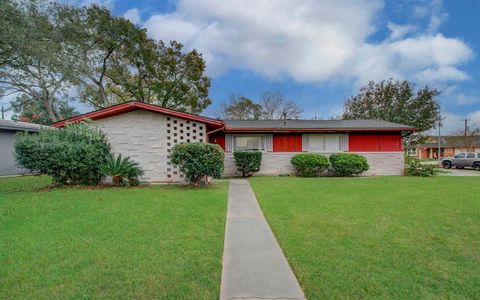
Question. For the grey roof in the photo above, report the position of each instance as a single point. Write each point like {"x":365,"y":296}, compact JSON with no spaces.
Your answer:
{"x":19,"y":126}
{"x":314,"y":125}
{"x":452,"y":141}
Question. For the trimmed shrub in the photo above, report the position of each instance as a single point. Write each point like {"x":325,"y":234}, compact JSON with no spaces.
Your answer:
{"x":348,"y":164}
{"x":198,"y":160}
{"x":309,"y":164}
{"x":248,"y":162}
{"x":121,"y":169}
{"x":71,"y":155}
{"x":414,"y":167}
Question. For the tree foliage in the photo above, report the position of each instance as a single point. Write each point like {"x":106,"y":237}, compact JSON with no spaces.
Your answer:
{"x":395,"y":101}
{"x":33,"y":61}
{"x":51,"y":51}
{"x":241,"y":108}
{"x":26,"y":110}
{"x":272,"y":106}
{"x":275,"y":106}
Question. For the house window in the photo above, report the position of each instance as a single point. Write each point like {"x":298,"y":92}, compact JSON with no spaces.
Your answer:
{"x":249,"y":143}
{"x":324,"y":143}
{"x":412,"y":151}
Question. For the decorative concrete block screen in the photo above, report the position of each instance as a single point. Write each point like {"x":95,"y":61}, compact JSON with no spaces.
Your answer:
{"x":181,"y":131}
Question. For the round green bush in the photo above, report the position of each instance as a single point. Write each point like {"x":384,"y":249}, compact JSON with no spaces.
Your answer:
{"x":309,"y":164}
{"x":248,"y":162}
{"x":71,"y":155}
{"x":198,"y":160}
{"x":348,"y":164}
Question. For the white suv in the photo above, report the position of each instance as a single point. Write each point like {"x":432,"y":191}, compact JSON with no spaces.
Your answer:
{"x":462,"y":160}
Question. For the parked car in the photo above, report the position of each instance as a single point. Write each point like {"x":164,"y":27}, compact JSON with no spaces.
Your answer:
{"x":462,"y":160}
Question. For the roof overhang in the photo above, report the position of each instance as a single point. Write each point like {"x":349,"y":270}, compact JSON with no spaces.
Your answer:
{"x":314,"y":130}
{"x":132,"y":106}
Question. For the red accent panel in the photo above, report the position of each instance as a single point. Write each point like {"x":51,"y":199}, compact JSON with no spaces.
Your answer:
{"x":391,"y":142}
{"x":218,"y":139}
{"x":370,"y":142}
{"x":287,"y":143}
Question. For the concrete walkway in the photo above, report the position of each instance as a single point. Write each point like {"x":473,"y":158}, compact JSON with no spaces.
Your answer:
{"x":254,"y":266}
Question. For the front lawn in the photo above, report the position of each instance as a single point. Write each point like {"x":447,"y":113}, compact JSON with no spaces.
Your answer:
{"x":155,"y":242}
{"x":386,"y":237}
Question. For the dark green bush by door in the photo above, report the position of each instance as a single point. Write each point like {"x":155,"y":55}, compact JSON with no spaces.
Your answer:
{"x":248,"y":162}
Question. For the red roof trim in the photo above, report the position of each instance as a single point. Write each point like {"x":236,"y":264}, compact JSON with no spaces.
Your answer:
{"x":134,"y":105}
{"x":296,"y":130}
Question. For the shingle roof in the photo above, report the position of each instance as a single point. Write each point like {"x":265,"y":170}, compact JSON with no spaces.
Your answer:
{"x":19,"y":126}
{"x":344,"y":125}
{"x":452,"y":141}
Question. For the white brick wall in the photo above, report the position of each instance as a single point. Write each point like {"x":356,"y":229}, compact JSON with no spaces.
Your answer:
{"x":381,"y":163}
{"x":147,"y":138}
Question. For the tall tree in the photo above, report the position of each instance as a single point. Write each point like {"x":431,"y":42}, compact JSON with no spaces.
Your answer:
{"x":37,"y":71}
{"x":49,"y":49}
{"x":163,"y":75}
{"x":241,"y":108}
{"x":98,"y":41}
{"x":395,"y":101}
{"x":26,"y":110}
{"x":275,"y":106}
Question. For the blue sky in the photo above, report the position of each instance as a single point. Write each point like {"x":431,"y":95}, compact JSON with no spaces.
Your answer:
{"x":319,"y":52}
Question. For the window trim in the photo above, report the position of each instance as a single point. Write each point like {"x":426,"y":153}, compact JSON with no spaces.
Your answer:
{"x":261,"y":136}
{"x":325,"y":150}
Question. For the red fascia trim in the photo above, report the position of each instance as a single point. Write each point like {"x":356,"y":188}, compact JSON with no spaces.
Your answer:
{"x":216,"y":130}
{"x":131,"y":106}
{"x":299,"y":130}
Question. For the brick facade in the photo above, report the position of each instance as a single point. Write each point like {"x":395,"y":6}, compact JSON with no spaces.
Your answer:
{"x":148,"y":137}
{"x":381,"y":163}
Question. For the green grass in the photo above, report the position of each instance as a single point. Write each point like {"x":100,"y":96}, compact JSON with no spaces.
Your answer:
{"x":384,"y":238}
{"x":155,"y":242}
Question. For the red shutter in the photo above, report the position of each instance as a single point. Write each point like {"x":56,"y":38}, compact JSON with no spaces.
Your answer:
{"x":375,"y":142}
{"x":390,"y":142}
{"x":287,"y":142}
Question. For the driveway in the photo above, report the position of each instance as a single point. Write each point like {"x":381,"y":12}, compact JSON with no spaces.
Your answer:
{"x":459,"y":172}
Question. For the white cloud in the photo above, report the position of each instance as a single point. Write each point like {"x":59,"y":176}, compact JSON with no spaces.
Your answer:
{"x":463,"y":99}
{"x":399,"y":31}
{"x":434,"y":10}
{"x":308,"y":40}
{"x":133,"y":15}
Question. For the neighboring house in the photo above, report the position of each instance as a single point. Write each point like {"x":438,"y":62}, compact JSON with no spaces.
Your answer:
{"x":449,"y":146}
{"x":147,"y":134}
{"x":8,"y":130}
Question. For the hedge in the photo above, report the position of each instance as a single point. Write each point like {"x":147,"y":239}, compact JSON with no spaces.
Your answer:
{"x":71,"y":155}
{"x":348,"y":164}
{"x":198,"y":160}
{"x":309,"y":164}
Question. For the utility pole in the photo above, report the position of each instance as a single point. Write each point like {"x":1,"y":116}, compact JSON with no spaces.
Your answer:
{"x":439,"y":138}
{"x":465,"y":131}
{"x":3,"y":113}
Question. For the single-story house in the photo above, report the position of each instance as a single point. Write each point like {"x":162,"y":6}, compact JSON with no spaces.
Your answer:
{"x":449,"y":146}
{"x":8,"y":130}
{"x":147,"y":134}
